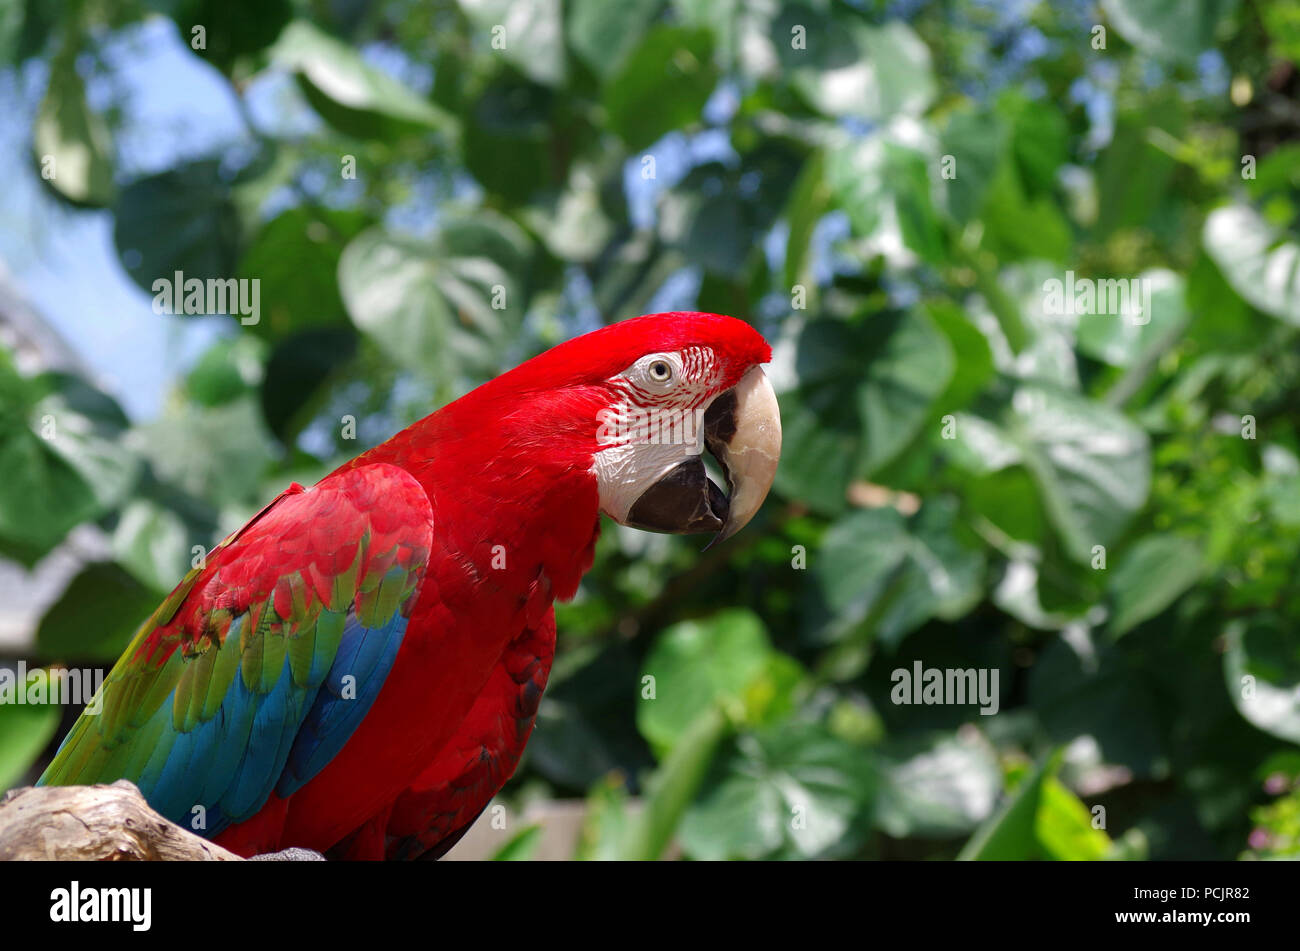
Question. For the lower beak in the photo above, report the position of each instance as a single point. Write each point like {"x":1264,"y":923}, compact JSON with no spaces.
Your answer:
{"x":742,"y":429}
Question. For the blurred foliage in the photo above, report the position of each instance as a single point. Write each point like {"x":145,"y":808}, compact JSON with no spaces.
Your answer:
{"x":1105,"y":512}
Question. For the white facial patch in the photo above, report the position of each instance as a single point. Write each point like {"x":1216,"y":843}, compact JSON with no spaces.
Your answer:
{"x":624,"y":470}
{"x":656,"y":426}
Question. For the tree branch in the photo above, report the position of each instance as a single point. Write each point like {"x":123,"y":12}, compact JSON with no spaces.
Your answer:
{"x":95,"y":823}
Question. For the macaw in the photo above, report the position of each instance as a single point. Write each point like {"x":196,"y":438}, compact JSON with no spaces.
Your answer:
{"x":357,"y":669}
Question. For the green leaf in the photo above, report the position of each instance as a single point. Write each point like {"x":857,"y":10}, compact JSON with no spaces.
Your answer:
{"x":697,"y":665}
{"x":1221,"y":321}
{"x":572,"y":224}
{"x":662,"y":87}
{"x":1039,"y":140}
{"x":809,"y":200}
{"x":228,"y":369}
{"x":850,"y":68}
{"x":1011,"y":832}
{"x":1090,"y":463}
{"x":1105,"y":697}
{"x":153,"y":544}
{"x":183,"y":220}
{"x":884,"y":187}
{"x":883,"y":576}
{"x":972,"y":357}
{"x":742,"y":31}
{"x":12,"y":17}
{"x":1260,"y":264}
{"x":85,"y":430}
{"x":1123,"y":341}
{"x":863,"y":393}
{"x":793,"y":790}
{"x":484,"y":233}
{"x":606,"y":822}
{"x":232,"y":28}
{"x":604,"y":33}
{"x":25,"y":731}
{"x":1150,"y":577}
{"x":1043,"y":820}
{"x":521,"y":846}
{"x":1168,"y":29}
{"x":427,"y":309}
{"x":1064,"y":827}
{"x":674,"y":784}
{"x":348,"y":93}
{"x":72,"y":144}
{"x":977,"y":142}
{"x":1133,"y":175}
{"x":509,"y":145}
{"x":96,"y":616}
{"x":1018,"y":225}
{"x":41,"y":21}
{"x":718,"y":239}
{"x":1262,"y":669}
{"x":62,"y":455}
{"x":295,"y":256}
{"x":531,"y":31}
{"x":219,"y":454}
{"x":936,"y":786}
{"x":1282,"y":23}
{"x":1009,"y":499}
{"x":298,"y":374}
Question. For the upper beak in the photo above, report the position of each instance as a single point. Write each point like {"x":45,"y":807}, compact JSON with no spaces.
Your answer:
{"x":742,"y":429}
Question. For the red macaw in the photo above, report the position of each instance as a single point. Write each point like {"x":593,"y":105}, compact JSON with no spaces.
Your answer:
{"x":358,"y":668}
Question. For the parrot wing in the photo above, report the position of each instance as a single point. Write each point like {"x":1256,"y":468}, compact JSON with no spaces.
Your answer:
{"x":256,"y":669}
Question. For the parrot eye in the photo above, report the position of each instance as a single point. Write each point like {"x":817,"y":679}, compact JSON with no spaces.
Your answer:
{"x":660,"y":371}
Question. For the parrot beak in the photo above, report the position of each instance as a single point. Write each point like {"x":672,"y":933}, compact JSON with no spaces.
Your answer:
{"x":742,"y":429}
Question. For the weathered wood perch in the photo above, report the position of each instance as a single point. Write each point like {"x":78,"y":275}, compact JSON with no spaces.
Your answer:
{"x":95,"y":824}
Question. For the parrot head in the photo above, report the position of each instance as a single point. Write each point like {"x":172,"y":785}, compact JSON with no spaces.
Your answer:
{"x":646,"y":398}
{"x":702,"y":389}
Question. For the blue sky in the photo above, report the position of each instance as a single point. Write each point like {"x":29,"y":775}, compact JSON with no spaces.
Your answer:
{"x":64,"y":261}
